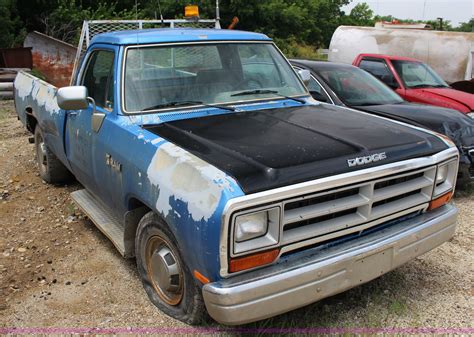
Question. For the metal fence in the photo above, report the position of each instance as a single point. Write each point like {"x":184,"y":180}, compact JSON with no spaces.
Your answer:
{"x":93,"y":28}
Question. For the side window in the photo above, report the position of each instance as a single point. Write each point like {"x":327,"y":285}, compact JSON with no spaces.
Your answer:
{"x":379,"y":69}
{"x":317,"y":91}
{"x":98,"y":78}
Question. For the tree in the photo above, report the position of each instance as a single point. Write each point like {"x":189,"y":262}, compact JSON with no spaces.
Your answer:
{"x":65,"y":21}
{"x":305,"y":22}
{"x":11,"y":32}
{"x":466,"y":26}
{"x":362,"y":15}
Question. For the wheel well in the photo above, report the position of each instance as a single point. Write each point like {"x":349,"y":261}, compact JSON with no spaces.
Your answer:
{"x":136,"y":210}
{"x":31,"y":121}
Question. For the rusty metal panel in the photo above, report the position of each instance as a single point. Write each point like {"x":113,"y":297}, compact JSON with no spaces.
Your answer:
{"x":15,"y":58}
{"x":52,"y":57}
{"x":448,"y":53}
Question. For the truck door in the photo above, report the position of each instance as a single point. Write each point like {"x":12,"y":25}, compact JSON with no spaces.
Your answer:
{"x":81,"y":140}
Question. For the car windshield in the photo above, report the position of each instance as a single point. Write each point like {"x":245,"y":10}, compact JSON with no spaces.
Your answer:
{"x":170,"y":77}
{"x":418,"y":75}
{"x":356,"y":87}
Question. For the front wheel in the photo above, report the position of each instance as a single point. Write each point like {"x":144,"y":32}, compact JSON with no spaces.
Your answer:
{"x":165,"y":277}
{"x":50,"y":167}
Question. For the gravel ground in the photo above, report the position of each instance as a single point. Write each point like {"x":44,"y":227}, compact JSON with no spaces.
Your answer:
{"x":58,"y":270}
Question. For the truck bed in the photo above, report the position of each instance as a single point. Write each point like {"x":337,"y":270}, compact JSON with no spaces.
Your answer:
{"x":35,"y":102}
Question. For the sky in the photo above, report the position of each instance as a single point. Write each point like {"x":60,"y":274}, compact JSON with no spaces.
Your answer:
{"x":456,"y":11}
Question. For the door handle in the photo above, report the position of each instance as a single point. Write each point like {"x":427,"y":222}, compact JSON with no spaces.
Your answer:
{"x":72,"y":114}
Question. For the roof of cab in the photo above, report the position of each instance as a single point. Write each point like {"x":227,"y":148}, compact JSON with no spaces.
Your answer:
{"x":167,"y":35}
{"x":390,"y":57}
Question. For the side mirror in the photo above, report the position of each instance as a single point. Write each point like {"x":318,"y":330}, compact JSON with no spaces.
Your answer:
{"x":393,"y":84}
{"x":305,"y":76}
{"x":72,"y":98}
{"x":317,"y":96}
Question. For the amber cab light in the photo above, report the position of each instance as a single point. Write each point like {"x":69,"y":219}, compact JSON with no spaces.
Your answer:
{"x":440,"y":201}
{"x":191,"y":11}
{"x":252,"y":261}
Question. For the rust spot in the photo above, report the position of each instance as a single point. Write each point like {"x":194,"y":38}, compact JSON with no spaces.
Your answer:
{"x":53,"y":68}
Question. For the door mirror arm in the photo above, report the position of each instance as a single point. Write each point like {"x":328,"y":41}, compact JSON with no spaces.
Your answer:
{"x":97,"y":117}
{"x":92,"y":101}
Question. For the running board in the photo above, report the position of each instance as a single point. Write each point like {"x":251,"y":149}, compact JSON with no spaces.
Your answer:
{"x":101,"y":217}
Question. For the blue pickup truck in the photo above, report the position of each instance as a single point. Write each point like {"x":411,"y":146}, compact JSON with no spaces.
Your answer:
{"x":203,"y":155}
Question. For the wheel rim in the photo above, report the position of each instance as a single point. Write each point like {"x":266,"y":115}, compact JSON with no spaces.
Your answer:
{"x":41,"y":153}
{"x":164,"y":270}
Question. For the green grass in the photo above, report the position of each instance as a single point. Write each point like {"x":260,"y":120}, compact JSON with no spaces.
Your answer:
{"x":70,"y":209}
{"x":397,"y":307}
{"x":293,"y":49}
{"x":35,"y":72}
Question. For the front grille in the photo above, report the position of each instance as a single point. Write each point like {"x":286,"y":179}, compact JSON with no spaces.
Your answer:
{"x":353,"y":208}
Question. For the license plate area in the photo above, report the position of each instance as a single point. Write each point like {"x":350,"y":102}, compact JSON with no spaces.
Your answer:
{"x":372,"y":266}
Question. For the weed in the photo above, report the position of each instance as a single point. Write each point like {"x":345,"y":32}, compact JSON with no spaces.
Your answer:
{"x":70,"y":209}
{"x":397,"y":307}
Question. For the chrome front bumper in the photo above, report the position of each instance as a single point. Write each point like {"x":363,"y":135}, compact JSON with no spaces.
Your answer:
{"x":295,"y":283}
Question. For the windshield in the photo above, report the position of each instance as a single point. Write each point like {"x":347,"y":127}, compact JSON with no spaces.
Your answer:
{"x":356,"y":87}
{"x":418,"y":75}
{"x":161,"y":77}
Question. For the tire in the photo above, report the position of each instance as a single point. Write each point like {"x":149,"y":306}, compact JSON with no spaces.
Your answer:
{"x":165,"y":277}
{"x":50,"y":168}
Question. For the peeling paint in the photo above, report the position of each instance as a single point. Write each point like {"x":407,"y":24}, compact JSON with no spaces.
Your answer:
{"x":44,"y":94}
{"x":180,"y":175}
{"x":157,"y":140}
{"x":23,"y":85}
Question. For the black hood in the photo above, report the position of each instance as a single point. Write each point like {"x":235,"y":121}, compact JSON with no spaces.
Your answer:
{"x":452,"y":123}
{"x":266,"y":149}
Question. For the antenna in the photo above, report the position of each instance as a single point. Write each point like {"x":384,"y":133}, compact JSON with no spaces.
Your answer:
{"x":424,"y":8}
{"x":159,"y":9}
{"x":218,"y":16}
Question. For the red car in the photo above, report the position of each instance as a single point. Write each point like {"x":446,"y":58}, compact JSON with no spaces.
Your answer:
{"x":415,"y":81}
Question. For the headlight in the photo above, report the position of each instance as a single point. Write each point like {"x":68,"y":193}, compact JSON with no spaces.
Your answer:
{"x":256,"y":230}
{"x":471,"y":114}
{"x":446,"y":177}
{"x":251,"y":226}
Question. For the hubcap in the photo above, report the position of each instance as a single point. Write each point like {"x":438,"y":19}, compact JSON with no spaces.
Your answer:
{"x":164,"y":270}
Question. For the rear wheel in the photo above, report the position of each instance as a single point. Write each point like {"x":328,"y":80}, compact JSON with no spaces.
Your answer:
{"x":165,"y":276}
{"x":50,"y":168}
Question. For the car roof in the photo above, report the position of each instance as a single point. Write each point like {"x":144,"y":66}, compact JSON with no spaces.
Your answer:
{"x":164,"y":35}
{"x":391,"y":57}
{"x":321,"y":65}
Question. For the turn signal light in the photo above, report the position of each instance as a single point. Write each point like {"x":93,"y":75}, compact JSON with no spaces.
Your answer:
{"x":254,"y":260}
{"x":442,"y":200}
{"x":201,"y":277}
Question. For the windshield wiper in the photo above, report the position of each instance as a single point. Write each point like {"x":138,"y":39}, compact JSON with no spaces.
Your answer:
{"x":266,"y":91}
{"x":418,"y":86}
{"x":376,"y":103}
{"x":184,"y":103}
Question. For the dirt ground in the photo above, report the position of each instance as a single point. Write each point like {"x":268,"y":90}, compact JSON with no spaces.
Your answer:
{"x":58,"y":270}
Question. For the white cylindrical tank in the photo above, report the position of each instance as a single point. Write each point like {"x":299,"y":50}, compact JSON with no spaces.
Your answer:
{"x":450,"y":54}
